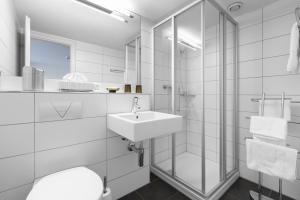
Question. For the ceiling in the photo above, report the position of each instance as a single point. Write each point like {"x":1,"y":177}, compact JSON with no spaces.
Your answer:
{"x":248,"y":5}
{"x":156,"y":10}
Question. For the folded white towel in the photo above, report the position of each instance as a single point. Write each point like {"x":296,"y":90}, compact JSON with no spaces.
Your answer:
{"x":271,"y":159}
{"x":272,"y":108}
{"x":293,"y":61}
{"x":268,"y":127}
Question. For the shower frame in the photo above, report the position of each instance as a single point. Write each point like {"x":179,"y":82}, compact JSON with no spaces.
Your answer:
{"x":226,"y":179}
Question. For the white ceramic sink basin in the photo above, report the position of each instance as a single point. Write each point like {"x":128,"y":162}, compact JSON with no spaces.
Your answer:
{"x":144,"y":125}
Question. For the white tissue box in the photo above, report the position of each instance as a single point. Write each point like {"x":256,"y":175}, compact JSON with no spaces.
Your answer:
{"x":76,"y":86}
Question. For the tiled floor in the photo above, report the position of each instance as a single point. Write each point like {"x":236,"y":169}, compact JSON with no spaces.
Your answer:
{"x":157,"y":189}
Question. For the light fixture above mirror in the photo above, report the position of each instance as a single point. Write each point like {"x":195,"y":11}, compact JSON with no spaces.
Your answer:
{"x":107,"y":8}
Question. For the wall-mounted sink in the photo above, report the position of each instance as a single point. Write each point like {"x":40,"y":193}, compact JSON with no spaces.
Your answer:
{"x":144,"y":125}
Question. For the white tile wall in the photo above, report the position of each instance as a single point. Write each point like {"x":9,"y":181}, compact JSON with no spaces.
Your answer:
{"x":264,"y":48}
{"x":8,"y":38}
{"x":95,"y":62}
{"x":20,"y":136}
{"x":146,"y":58}
{"x":32,"y":145}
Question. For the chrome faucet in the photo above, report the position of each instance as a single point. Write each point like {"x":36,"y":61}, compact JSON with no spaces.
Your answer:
{"x":135,"y":105}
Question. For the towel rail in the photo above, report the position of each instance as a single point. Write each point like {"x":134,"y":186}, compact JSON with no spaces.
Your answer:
{"x":273,"y":98}
{"x":253,"y":194}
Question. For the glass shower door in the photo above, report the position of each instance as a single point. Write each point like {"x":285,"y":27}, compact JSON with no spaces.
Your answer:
{"x":194,"y":76}
{"x":189,"y":165}
{"x":229,"y":96}
{"x":162,"y":146}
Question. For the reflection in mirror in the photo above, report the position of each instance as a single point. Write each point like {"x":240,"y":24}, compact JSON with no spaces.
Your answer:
{"x":133,"y":62}
{"x":83,"y":36}
{"x":53,"y":58}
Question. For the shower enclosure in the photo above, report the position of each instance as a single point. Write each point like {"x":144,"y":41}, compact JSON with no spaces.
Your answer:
{"x":195,"y":70}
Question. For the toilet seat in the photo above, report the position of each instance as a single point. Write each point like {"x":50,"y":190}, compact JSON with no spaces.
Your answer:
{"x":73,"y":184}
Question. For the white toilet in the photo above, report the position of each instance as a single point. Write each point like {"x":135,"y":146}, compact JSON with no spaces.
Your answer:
{"x":73,"y":184}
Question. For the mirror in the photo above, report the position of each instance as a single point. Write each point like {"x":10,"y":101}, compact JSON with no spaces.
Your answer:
{"x":92,"y":37}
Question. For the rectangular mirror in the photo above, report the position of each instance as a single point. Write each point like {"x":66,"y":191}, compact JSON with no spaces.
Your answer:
{"x":84,"y":36}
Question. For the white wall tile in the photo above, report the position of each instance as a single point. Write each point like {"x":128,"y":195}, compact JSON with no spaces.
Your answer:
{"x":51,"y":161}
{"x":250,"y":86}
{"x":88,"y":67}
{"x":276,"y":46}
{"x":250,"y":69}
{"x":16,"y":139}
{"x":245,"y":103}
{"x":277,"y":84}
{"x":275,"y":66}
{"x":251,"y":51}
{"x":137,"y":179}
{"x":250,"y":34}
{"x":251,"y":18}
{"x":279,"y":8}
{"x":8,"y":37}
{"x":100,"y":169}
{"x":278,"y":26}
{"x":125,"y":164}
{"x":16,"y":171}
{"x":55,"y":134}
{"x":19,"y":193}
{"x":16,"y":108}
{"x":85,"y":56}
{"x":116,"y":147}
{"x":83,"y":46}
{"x":117,"y":103}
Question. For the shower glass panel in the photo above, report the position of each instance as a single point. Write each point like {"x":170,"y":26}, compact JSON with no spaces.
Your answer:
{"x":189,"y":95}
{"x":194,"y":54}
{"x":229,"y":97}
{"x":212,"y":97}
{"x":162,"y":146}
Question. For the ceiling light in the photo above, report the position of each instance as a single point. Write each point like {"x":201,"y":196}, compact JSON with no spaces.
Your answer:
{"x":93,"y":5}
{"x":113,"y":5}
{"x":235,"y":6}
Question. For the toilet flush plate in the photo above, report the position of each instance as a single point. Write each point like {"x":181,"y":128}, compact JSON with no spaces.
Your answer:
{"x":144,"y":125}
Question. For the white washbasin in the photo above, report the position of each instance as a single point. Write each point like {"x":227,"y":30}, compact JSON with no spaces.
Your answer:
{"x":144,"y":125}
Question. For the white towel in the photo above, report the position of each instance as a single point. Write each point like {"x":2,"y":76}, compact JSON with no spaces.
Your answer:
{"x":272,"y":108}
{"x":293,"y":61}
{"x":268,"y":127}
{"x":271,"y":159}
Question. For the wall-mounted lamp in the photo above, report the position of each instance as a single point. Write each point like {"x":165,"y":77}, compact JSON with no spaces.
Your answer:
{"x":117,"y":14}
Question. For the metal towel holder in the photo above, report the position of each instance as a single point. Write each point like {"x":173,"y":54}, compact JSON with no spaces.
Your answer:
{"x":258,"y":195}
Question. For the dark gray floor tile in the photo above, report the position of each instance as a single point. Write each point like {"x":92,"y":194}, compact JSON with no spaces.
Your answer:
{"x":178,"y":196}
{"x":275,"y":195}
{"x":131,"y":196}
{"x":228,"y":196}
{"x":240,"y":189}
{"x":157,"y":190}
{"x":153,"y":177}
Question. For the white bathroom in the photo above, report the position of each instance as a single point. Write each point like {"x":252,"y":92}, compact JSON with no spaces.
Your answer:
{"x":149,"y":100}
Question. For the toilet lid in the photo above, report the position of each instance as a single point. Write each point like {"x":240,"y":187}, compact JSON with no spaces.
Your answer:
{"x":73,"y":184}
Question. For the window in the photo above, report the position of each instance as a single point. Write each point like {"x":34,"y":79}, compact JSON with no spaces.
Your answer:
{"x":53,"y":58}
